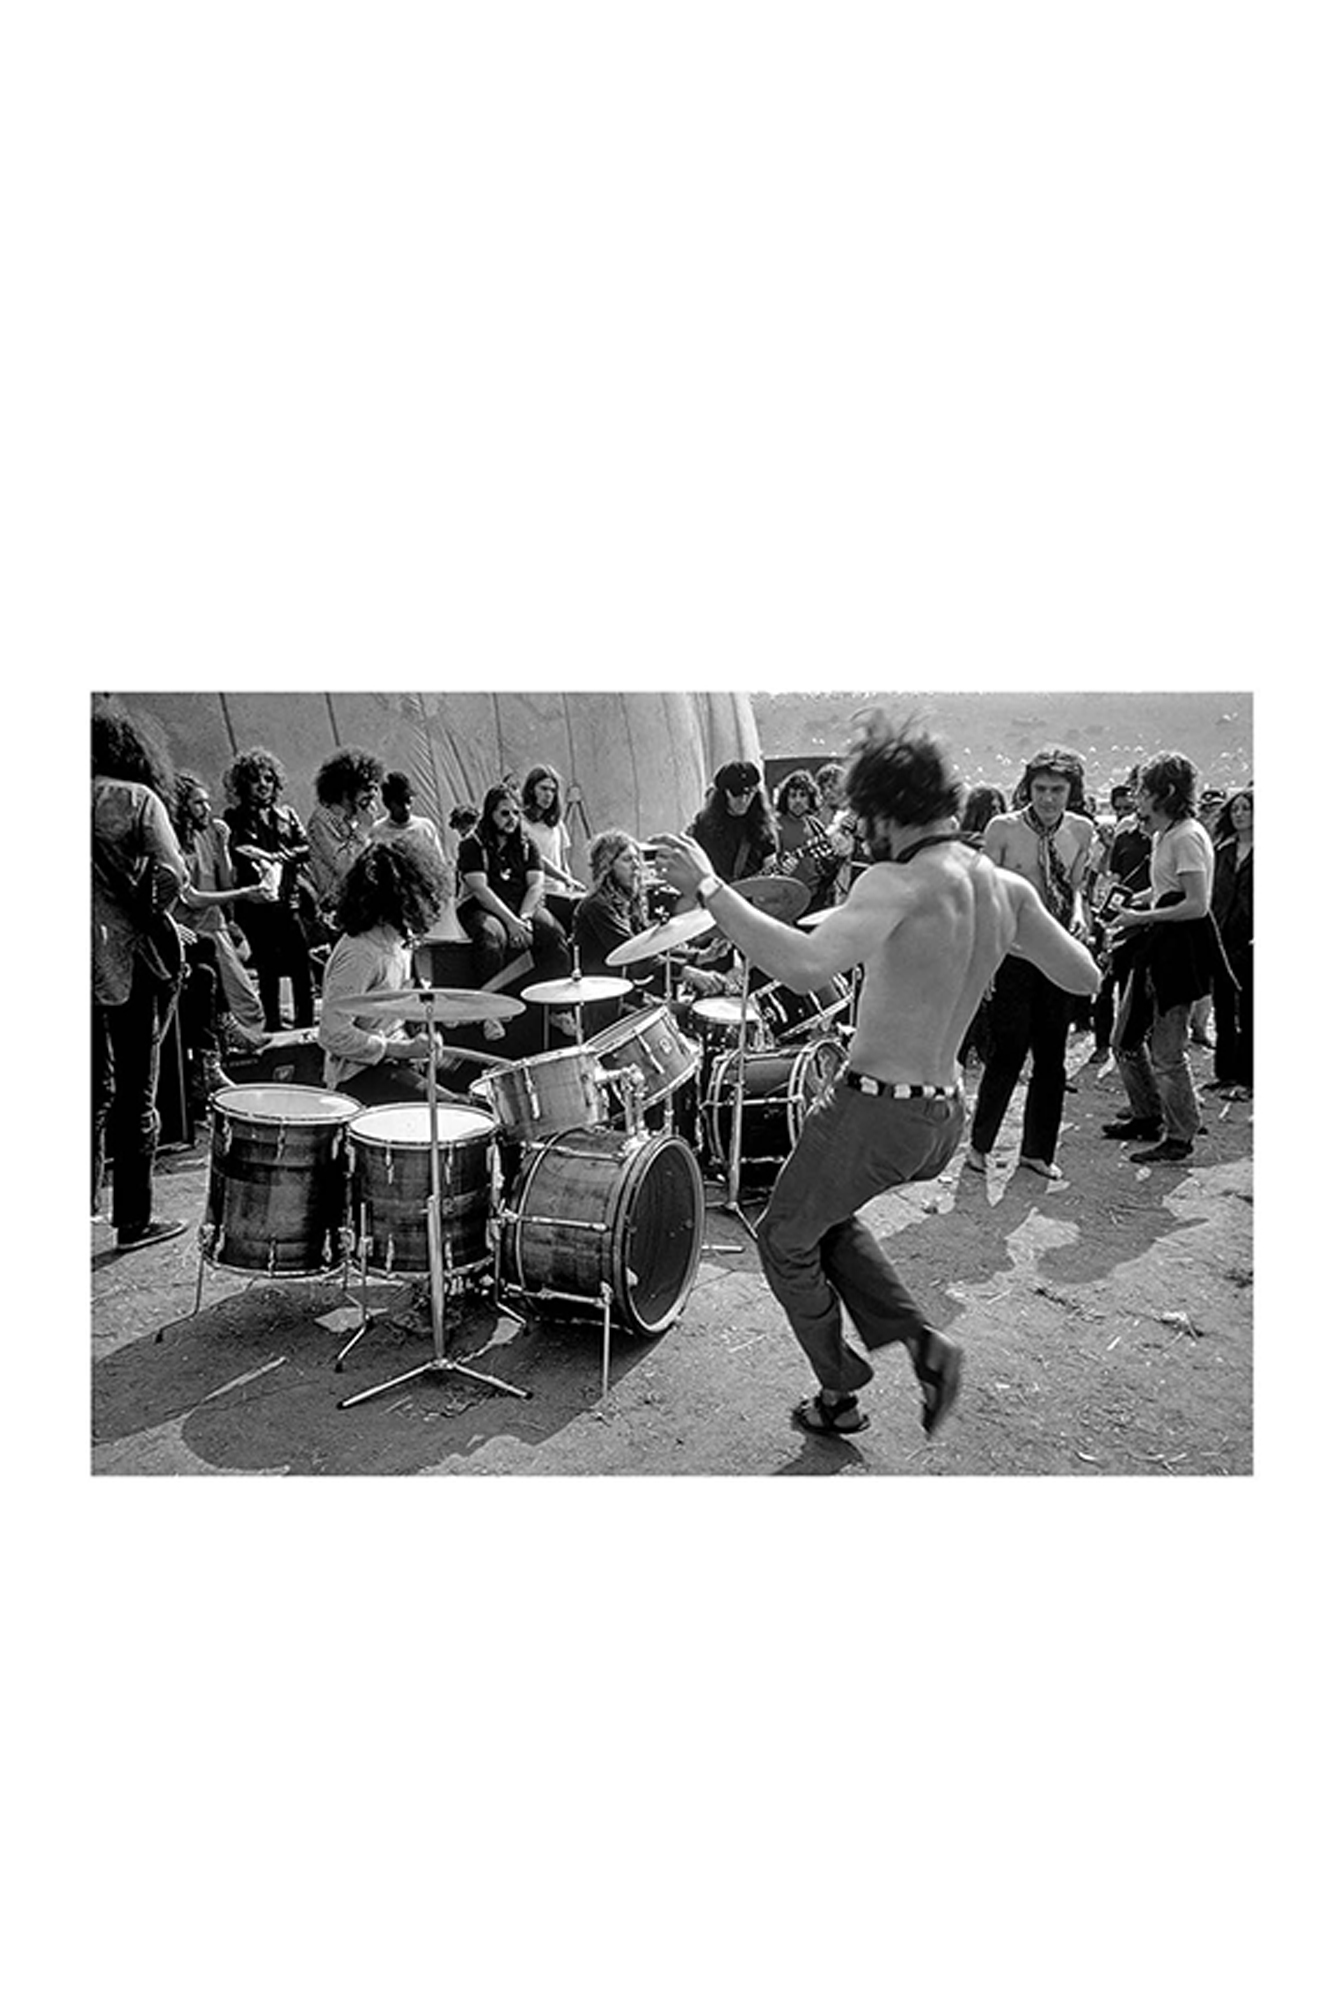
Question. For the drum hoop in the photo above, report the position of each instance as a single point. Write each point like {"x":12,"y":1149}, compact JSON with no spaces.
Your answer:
{"x":241,"y":1116}
{"x":364,"y":1140}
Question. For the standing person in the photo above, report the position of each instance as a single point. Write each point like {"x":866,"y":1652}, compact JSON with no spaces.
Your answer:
{"x":205,"y":904}
{"x":137,"y":968}
{"x":400,"y":824}
{"x":266,"y":835}
{"x":1124,"y":875}
{"x":980,"y":807}
{"x":1047,"y":842}
{"x":345,"y":786}
{"x":547,"y":828}
{"x":391,"y":895}
{"x":805,"y":849}
{"x":1176,"y":958}
{"x":930,"y":920}
{"x":1233,"y":912}
{"x":500,"y":905}
{"x":735,"y":824}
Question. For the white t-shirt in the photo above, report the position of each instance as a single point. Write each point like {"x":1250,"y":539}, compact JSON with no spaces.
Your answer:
{"x":1182,"y":849}
{"x":551,"y":842}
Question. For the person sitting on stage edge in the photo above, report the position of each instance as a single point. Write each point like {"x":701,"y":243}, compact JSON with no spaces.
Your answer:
{"x":930,"y":920}
{"x":264,"y":834}
{"x":500,"y":902}
{"x":345,"y":786}
{"x":735,"y":828}
{"x":391,"y":895}
{"x":137,"y":968}
{"x":547,"y":828}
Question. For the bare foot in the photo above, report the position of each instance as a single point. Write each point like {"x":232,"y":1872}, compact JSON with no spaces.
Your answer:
{"x":975,"y":1160}
{"x":1042,"y":1167}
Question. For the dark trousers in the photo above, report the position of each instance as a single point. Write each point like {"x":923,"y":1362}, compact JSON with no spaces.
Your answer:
{"x":200,"y":998}
{"x":278,"y":947}
{"x":818,"y":1256}
{"x":550,"y":952}
{"x":126,"y":1043}
{"x":1233,"y":1020}
{"x":1029,"y":1015}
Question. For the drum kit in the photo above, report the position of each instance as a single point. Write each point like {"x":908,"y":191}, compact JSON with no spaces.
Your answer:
{"x":547,"y":1185}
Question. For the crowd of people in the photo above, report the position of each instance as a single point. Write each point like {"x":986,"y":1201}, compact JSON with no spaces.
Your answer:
{"x":999,"y":925}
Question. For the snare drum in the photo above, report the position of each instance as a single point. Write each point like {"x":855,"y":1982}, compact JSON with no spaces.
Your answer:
{"x":779,"y":1087}
{"x":545,"y":1095}
{"x":390,"y":1170}
{"x":799,"y":1016}
{"x":597,"y":1209}
{"x":650,"y":1042}
{"x":277,"y":1180}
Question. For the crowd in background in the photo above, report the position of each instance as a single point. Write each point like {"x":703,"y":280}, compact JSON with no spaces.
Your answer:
{"x":204,"y":916}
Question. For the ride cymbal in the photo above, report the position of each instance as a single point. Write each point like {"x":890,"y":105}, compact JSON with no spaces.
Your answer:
{"x":669,"y":935}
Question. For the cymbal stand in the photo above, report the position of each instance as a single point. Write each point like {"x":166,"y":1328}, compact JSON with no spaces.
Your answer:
{"x":439,"y":1363}
{"x":732,"y":1204}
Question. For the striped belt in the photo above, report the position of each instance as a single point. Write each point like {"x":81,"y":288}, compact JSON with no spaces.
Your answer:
{"x":873,"y":1086}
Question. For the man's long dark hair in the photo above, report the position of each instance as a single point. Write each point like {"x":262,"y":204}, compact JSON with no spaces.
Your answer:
{"x":486,"y":831}
{"x":899,"y":771}
{"x":1066,"y":764}
{"x":391,"y":883}
{"x":122,"y":750}
{"x":757,"y":819}
{"x":252,"y":764}
{"x":1172,"y":781}
{"x":531,"y":810}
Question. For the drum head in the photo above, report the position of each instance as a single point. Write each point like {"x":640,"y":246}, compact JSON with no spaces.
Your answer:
{"x":409,"y":1125}
{"x":285,"y":1104}
{"x":661,"y":1235}
{"x":723,"y":1008}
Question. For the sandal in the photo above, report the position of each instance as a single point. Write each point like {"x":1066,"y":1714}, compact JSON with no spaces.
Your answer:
{"x":941,"y":1385}
{"x":824,"y":1419}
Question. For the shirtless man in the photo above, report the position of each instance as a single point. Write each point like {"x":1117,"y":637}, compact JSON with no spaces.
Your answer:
{"x":930,"y":920}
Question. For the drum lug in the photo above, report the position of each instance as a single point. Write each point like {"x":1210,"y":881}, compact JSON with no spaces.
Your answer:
{"x":223,"y":1131}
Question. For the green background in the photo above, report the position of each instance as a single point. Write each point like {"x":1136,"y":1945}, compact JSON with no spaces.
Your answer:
{"x":725,"y":323}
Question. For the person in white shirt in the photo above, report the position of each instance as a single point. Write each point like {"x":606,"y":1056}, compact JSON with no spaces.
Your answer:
{"x":400,"y":823}
{"x":391,"y":895}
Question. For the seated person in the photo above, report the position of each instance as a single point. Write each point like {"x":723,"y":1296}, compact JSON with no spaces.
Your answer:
{"x":500,"y":900}
{"x":547,"y":828}
{"x":391,"y":895}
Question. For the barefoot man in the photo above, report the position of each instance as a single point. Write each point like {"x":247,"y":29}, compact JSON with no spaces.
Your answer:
{"x":930,"y":920}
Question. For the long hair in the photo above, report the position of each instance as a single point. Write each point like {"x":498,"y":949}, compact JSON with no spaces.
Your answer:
{"x":551,"y":814}
{"x":980,"y":807}
{"x":795,"y":781}
{"x":1226,"y":825}
{"x":757,"y":819}
{"x":487,"y":832}
{"x":606,"y":849}
{"x":391,"y":883}
{"x":1172,"y":782}
{"x":899,"y":771}
{"x":252,"y":764}
{"x":187,"y":784}
{"x":346,"y":774}
{"x":1066,"y":764}
{"x":122,"y":750}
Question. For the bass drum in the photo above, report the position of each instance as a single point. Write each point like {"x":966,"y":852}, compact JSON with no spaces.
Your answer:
{"x":277,"y":1180}
{"x":779,"y":1088}
{"x":594,"y":1209}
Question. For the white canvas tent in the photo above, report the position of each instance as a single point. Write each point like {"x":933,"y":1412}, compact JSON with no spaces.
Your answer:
{"x":641,"y":761}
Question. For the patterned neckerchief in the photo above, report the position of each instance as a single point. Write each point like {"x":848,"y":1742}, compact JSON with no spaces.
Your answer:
{"x":1057,"y":888}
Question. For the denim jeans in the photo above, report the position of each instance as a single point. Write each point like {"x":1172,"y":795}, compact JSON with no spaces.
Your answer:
{"x":818,"y":1256}
{"x":493,"y":949}
{"x":127,"y":1042}
{"x":1157,"y":1076}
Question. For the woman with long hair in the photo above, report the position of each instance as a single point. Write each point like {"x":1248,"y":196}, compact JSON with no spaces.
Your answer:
{"x":1233,"y":911}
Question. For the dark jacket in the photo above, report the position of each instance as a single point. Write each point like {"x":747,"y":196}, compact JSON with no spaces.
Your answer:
{"x":1169,"y":965}
{"x":1233,"y":896}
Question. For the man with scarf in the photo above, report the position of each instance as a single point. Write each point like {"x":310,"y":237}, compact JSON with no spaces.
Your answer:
{"x":1047,"y":841}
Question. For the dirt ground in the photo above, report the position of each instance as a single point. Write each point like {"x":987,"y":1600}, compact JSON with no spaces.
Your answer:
{"x":1107,"y":1321}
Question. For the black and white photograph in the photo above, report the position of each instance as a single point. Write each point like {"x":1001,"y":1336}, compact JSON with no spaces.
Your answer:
{"x":625,"y":1083}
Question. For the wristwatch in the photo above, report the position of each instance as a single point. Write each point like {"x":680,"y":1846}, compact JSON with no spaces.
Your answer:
{"x":708,"y":887}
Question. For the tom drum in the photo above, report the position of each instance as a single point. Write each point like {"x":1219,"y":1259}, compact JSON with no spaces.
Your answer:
{"x":277,"y":1179}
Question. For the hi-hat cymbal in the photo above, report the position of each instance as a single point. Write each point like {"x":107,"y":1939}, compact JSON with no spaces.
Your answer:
{"x":780,"y":896}
{"x":816,"y":917}
{"x":446,"y":1005}
{"x":669,"y":935}
{"x":576,"y":992}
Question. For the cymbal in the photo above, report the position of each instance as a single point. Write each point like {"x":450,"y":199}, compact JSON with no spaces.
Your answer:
{"x":780,"y":896}
{"x":576,"y":992}
{"x":669,"y":935}
{"x":442,"y":1004}
{"x":816,"y":917}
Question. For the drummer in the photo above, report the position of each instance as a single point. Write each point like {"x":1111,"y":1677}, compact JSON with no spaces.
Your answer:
{"x":390,"y":895}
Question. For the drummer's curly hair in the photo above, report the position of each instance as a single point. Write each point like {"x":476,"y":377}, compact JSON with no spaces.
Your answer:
{"x":345,"y":775}
{"x":902,"y":772}
{"x":252,"y":764}
{"x":391,"y":883}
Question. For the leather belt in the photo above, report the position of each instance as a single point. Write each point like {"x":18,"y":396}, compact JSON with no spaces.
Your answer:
{"x":873,"y":1086}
